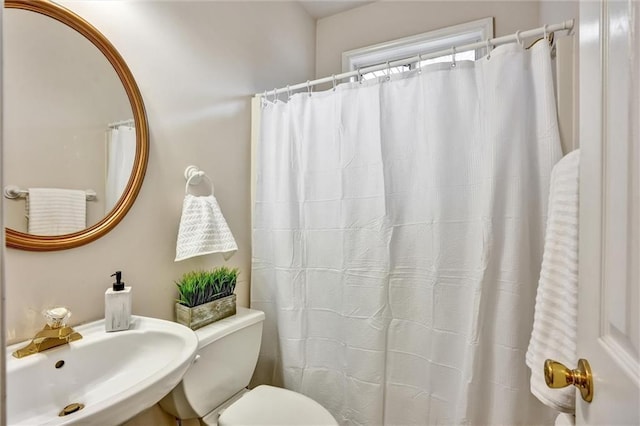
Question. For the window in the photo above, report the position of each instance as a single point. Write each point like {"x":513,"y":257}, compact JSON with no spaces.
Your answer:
{"x":431,"y":41}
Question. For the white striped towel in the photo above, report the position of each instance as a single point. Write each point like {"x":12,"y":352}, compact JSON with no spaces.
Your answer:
{"x":203,"y":229}
{"x":555,"y":321}
{"x":54,"y":211}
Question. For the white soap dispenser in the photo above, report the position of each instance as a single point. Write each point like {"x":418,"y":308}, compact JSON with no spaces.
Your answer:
{"x":117,"y":305}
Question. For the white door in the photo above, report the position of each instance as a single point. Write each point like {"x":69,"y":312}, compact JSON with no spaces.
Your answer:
{"x":609,"y":298}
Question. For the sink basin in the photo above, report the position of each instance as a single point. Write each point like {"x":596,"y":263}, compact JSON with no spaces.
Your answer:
{"x":113,"y":375}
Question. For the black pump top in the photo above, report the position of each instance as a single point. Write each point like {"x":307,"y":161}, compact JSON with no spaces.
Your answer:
{"x":118,"y":286}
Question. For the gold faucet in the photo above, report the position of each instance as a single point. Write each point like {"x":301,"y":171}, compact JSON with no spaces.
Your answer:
{"x":55,"y":333}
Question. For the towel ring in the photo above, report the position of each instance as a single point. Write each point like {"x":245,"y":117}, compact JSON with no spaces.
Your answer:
{"x":194,"y":176}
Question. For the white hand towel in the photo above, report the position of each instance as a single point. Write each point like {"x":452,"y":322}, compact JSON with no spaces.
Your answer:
{"x":555,"y":321}
{"x":203,"y":229}
{"x":54,"y":211}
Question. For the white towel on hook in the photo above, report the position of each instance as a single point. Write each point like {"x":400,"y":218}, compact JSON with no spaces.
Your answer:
{"x":55,"y":211}
{"x":203,"y":229}
{"x":555,"y":321}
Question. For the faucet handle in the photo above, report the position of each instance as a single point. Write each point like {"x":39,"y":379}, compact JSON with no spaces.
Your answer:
{"x":56,"y":317}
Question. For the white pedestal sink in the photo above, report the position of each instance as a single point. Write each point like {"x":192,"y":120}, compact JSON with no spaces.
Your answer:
{"x":113,"y":375}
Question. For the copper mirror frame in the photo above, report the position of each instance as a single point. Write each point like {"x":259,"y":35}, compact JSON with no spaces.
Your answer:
{"x":20,"y":240}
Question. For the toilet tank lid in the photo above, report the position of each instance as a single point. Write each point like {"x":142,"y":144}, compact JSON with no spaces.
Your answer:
{"x":244,"y":317}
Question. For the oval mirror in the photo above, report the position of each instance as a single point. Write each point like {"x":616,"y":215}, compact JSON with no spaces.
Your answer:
{"x":74,"y":120}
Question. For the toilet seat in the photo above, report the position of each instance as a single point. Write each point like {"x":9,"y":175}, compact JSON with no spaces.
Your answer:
{"x":268,"y":405}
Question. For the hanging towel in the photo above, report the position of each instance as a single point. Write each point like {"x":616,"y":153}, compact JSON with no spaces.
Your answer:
{"x":556,"y":310}
{"x":203,"y":229}
{"x":54,"y":211}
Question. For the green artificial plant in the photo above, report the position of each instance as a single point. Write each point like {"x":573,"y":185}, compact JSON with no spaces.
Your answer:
{"x":198,"y":287}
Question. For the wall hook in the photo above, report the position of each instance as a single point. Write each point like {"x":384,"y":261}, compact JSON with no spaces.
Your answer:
{"x":193,"y":175}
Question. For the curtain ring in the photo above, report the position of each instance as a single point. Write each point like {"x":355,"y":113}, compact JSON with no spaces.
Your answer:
{"x":309,"y":87}
{"x":359,"y":76}
{"x":488,"y":49}
{"x":453,"y":56}
{"x":333,"y":76}
{"x":420,"y":63}
{"x":388,"y":71}
{"x":548,"y":38}
{"x":275,"y":96}
{"x":288,"y":93}
{"x":520,"y":42}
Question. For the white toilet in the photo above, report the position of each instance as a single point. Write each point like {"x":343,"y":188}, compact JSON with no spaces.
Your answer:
{"x":214,"y":389}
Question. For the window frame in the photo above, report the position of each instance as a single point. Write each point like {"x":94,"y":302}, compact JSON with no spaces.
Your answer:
{"x":431,"y":41}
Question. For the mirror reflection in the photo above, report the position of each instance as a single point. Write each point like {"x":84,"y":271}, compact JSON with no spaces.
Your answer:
{"x":68,"y":121}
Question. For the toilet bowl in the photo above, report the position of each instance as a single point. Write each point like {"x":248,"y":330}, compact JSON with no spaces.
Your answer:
{"x":214,"y":389}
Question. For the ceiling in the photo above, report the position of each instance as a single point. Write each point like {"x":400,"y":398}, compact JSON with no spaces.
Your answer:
{"x":323,"y":8}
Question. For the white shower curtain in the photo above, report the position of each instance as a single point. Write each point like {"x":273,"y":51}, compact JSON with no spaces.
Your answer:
{"x":121,"y":151}
{"x":397,"y":241}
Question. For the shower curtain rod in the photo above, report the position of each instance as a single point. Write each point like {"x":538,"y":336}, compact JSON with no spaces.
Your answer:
{"x":518,"y":36}
{"x":121,"y":123}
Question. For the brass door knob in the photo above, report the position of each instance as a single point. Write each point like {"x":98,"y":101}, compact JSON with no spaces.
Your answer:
{"x":558,"y":376}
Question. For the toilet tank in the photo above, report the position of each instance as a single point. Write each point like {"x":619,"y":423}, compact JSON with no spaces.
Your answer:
{"x":227,"y":355}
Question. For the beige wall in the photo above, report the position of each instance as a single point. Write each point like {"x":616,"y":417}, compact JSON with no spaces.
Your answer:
{"x":552,"y":11}
{"x":389,"y":20}
{"x":197,"y":65}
